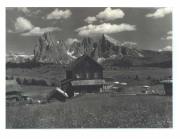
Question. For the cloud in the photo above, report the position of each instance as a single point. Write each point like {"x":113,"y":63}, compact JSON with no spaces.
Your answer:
{"x":105,"y":28}
{"x":169,"y":32}
{"x":22,"y":24}
{"x":110,"y":14}
{"x":168,"y":36}
{"x":90,"y":19}
{"x":167,"y":48}
{"x":37,"y":31}
{"x":59,"y":14}
{"x":10,"y":31}
{"x":26,"y":28}
{"x":159,"y":13}
{"x":70,"y":41}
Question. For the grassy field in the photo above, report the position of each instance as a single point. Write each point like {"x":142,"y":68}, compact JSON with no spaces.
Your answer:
{"x":56,"y":73}
{"x":128,"y":75}
{"x":94,"y":111}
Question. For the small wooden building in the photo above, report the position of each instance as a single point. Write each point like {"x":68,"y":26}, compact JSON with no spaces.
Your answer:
{"x":84,"y":75}
{"x":167,"y":87}
{"x":13,"y":90}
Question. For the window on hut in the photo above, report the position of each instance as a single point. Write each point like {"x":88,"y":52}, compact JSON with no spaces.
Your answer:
{"x":95,"y":75}
{"x":87,"y":75}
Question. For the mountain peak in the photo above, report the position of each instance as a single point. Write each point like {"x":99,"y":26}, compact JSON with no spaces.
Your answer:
{"x":49,"y":50}
{"x":110,"y":39}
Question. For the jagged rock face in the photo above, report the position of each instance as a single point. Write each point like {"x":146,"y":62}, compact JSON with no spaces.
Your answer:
{"x":109,"y":47}
{"x":76,"y":50}
{"x":48,"y":50}
{"x":86,"y":46}
{"x":131,"y":51}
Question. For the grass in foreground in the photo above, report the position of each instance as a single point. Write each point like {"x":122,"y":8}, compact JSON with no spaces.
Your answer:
{"x":94,"y":111}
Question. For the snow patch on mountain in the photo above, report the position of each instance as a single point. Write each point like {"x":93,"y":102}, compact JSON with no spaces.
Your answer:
{"x":71,"y":54}
{"x":18,"y":58}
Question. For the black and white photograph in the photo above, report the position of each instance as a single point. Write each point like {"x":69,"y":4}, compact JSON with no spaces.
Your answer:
{"x":88,"y":67}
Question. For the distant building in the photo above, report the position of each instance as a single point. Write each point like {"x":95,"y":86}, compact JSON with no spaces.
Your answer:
{"x":13,"y":90}
{"x":84,"y":75}
{"x":167,"y":87}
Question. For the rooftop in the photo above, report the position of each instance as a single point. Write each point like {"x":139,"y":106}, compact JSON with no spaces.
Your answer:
{"x":72,"y":65}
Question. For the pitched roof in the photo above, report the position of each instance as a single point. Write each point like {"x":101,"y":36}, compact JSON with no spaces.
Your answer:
{"x":72,"y":65}
{"x":12,"y":85}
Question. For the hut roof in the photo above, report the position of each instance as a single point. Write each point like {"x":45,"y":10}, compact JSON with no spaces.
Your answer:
{"x":12,"y":86}
{"x":79,"y":60}
{"x":87,"y":82}
{"x":166,"y":81}
{"x":57,"y":93}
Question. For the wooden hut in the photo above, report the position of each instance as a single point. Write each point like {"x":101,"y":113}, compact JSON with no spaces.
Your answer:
{"x":167,"y":87}
{"x":13,"y":90}
{"x":84,"y":75}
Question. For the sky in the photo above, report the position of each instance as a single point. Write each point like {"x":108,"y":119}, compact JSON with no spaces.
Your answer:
{"x":145,"y":28}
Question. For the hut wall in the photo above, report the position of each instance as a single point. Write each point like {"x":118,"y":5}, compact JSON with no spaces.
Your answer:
{"x":168,"y":89}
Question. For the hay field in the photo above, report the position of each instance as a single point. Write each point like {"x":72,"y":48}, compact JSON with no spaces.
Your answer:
{"x":94,"y":111}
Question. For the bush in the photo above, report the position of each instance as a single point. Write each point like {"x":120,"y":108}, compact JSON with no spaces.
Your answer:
{"x":25,"y":82}
{"x":155,"y":81}
{"x":19,"y":80}
{"x":39,"y":82}
{"x":34,"y":82}
{"x":42,"y":82}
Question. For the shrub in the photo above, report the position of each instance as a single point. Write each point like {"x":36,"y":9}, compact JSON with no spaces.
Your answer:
{"x":42,"y":82}
{"x":25,"y":82}
{"x":155,"y":81}
{"x":19,"y":80}
{"x":34,"y":82}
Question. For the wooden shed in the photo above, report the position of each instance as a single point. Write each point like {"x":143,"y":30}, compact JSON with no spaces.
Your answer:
{"x":84,"y":75}
{"x":167,"y":87}
{"x":13,"y":90}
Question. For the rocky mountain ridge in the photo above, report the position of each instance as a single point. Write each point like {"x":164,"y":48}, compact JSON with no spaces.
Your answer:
{"x":48,"y":50}
{"x":105,"y":49}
